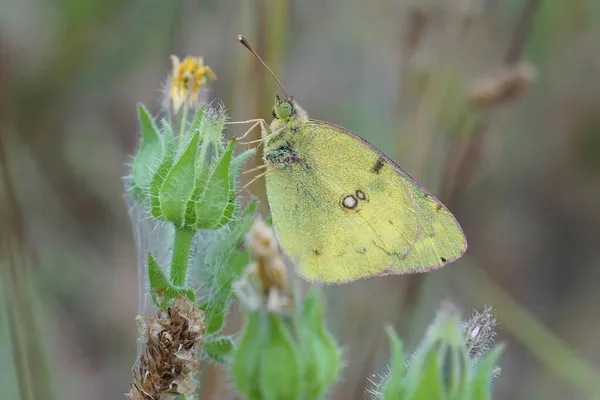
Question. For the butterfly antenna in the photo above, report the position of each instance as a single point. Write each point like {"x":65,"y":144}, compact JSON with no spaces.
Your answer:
{"x":245,"y":43}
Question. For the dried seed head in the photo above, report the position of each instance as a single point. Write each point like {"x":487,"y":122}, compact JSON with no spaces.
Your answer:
{"x":261,"y":240}
{"x":267,"y":258}
{"x":502,"y":86}
{"x":268,"y":268}
{"x":169,"y":359}
{"x":480,"y":332}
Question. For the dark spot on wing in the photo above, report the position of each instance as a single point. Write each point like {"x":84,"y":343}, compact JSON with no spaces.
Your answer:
{"x":438,"y":207}
{"x":443,"y":259}
{"x":378,"y":165}
{"x":390,"y":221}
{"x":316,"y":252}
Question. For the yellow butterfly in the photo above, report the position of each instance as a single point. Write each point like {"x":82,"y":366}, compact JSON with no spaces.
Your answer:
{"x":342,"y":209}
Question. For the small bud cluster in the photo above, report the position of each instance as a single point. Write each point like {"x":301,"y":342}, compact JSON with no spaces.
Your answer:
{"x":454,"y":360}
{"x":284,"y":351}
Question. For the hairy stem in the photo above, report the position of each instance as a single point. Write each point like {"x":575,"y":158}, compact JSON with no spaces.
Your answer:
{"x":182,"y":245}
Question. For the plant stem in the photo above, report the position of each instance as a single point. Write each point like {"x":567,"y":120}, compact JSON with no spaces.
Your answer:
{"x":182,"y":245}
{"x":522,"y":31}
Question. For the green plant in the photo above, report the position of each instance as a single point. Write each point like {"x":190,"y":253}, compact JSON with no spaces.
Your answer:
{"x":453,"y":361}
{"x":188,"y":183}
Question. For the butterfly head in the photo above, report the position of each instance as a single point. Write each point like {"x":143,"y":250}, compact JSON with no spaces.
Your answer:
{"x":287,"y":109}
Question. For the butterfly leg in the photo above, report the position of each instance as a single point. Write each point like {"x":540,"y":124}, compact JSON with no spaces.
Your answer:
{"x":255,"y":169}
{"x":255,"y":122}
{"x":252,"y":181}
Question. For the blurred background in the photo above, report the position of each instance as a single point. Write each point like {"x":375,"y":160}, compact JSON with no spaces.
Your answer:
{"x":520,"y":169}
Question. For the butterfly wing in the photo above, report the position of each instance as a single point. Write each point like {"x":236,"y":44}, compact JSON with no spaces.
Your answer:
{"x":346,"y":211}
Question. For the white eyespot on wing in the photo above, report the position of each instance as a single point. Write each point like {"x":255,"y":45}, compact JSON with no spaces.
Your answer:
{"x":350,"y":202}
{"x":360,"y":194}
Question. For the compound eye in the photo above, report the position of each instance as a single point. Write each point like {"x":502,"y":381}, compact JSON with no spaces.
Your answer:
{"x":284,"y":109}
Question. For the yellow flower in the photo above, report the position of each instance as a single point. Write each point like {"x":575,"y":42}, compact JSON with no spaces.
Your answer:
{"x":188,"y":77}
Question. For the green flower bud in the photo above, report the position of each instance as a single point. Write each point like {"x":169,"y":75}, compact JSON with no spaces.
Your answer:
{"x":245,"y":363}
{"x":393,"y":387}
{"x":286,"y":357}
{"x":440,"y":368}
{"x":441,"y":364}
{"x":195,"y":186}
{"x":266,"y":364}
{"x":321,"y":356}
{"x":279,"y":375}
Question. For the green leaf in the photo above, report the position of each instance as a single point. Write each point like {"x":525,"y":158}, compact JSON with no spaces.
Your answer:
{"x":219,"y":348}
{"x":232,"y":236}
{"x":481,"y":383}
{"x":394,"y":384}
{"x":178,"y":185}
{"x":167,"y":135}
{"x":279,"y":374}
{"x":163,"y":169}
{"x":199,"y":119}
{"x":148,"y":155}
{"x":214,"y":131}
{"x":236,"y":164}
{"x":217,"y":304}
{"x":321,"y":356}
{"x":224,"y":264}
{"x":428,"y":378}
{"x":245,"y":362}
{"x":438,"y":369}
{"x":162,"y":291}
{"x":214,"y":199}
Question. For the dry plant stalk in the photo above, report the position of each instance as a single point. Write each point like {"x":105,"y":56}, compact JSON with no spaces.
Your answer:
{"x":169,"y":358}
{"x":502,"y":86}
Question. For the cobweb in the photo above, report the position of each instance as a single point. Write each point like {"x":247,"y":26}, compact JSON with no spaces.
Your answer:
{"x":151,"y":236}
